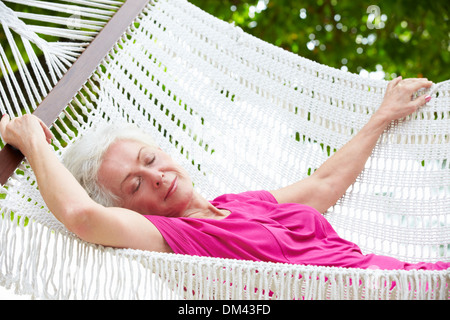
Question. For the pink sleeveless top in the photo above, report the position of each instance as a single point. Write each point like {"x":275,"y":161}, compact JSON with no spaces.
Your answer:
{"x":260,"y":229}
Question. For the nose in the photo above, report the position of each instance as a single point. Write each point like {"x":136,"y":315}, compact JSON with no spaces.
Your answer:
{"x":155,"y":177}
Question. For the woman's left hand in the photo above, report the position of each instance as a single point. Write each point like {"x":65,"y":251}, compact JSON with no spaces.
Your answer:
{"x":397,"y":102}
{"x":328,"y":183}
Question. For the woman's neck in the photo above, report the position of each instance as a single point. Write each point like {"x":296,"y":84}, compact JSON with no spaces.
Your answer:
{"x":201,"y":208}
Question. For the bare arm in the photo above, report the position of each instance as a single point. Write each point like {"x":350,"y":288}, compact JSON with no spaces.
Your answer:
{"x":69,"y":202}
{"x":329,"y":183}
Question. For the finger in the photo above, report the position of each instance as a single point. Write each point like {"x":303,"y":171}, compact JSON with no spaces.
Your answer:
{"x":416,"y":84}
{"x":48,"y":134}
{"x":417,"y":87}
{"x":3,"y":122}
{"x":415,"y":80}
{"x":421,"y":101}
{"x":394,"y":82}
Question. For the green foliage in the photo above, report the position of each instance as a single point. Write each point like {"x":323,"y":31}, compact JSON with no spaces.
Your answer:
{"x":402,"y":37}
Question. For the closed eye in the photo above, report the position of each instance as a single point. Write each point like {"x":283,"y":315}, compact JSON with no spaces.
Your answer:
{"x":150,"y":160}
{"x":137,"y":185}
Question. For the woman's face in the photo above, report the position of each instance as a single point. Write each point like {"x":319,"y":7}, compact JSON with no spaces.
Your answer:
{"x":146,"y":179}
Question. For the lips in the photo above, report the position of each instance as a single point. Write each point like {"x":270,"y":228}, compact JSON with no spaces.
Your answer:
{"x":172,"y":188}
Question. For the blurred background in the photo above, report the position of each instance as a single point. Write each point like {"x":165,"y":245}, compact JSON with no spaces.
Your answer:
{"x":381,"y":39}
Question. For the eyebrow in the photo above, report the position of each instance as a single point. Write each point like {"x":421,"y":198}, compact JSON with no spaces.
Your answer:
{"x":129,"y":174}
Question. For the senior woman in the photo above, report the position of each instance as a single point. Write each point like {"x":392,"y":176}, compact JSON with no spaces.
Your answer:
{"x":124,"y":191}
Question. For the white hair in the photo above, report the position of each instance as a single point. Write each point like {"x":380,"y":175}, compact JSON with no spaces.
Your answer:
{"x":84,"y":158}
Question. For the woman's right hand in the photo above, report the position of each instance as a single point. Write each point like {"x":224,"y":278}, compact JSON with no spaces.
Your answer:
{"x":23,"y":132}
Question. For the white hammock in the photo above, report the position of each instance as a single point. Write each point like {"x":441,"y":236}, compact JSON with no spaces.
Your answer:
{"x":239,"y":114}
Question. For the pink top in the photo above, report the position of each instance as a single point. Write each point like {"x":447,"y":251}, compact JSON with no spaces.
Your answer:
{"x":260,"y":229}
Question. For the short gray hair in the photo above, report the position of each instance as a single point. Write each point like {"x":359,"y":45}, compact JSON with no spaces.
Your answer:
{"x":84,"y":158}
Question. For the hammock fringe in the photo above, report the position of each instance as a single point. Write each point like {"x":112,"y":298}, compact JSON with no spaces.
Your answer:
{"x":46,"y":264}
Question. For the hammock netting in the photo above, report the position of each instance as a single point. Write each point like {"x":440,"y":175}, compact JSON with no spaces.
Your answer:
{"x":239,"y":114}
